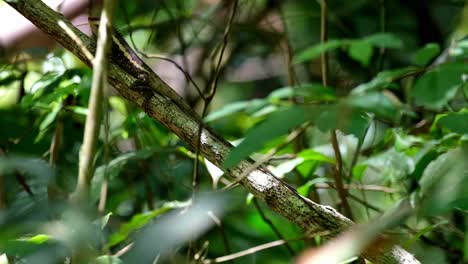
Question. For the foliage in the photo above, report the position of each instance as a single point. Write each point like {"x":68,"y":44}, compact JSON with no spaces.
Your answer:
{"x":396,"y":96}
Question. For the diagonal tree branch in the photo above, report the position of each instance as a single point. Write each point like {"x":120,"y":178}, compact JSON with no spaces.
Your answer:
{"x":277,"y":195}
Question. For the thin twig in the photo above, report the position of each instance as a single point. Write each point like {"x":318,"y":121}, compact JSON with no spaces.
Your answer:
{"x":272,"y":226}
{"x":212,"y":91}
{"x":92,"y":125}
{"x":338,"y":174}
{"x":220,"y":225}
{"x":258,"y":248}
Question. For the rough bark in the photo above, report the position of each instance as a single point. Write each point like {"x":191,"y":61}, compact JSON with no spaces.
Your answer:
{"x":312,"y":217}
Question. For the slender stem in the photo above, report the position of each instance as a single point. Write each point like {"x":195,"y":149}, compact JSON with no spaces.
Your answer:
{"x":92,"y":125}
{"x":272,"y":226}
{"x":213,"y":88}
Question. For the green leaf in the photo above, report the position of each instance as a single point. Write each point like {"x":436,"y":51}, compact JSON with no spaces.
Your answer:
{"x":383,"y":79}
{"x":376,"y":103}
{"x":8,"y":74}
{"x":304,"y":189}
{"x":277,"y":124}
{"x":140,"y":220}
{"x":315,"y":51}
{"x":361,"y":51}
{"x":358,"y":171}
{"x":309,"y":92}
{"x":310,"y":154}
{"x":385,"y":40}
{"x":456,"y":122}
{"x":425,"y":55}
{"x":235,"y":108}
{"x":435,"y":88}
{"x":50,"y":117}
{"x":444,"y":183}
{"x":341,"y":116}
{"x":37,"y":239}
{"x":107,"y":260}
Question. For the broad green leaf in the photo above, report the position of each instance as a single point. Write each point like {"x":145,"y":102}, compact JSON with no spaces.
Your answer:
{"x":310,"y":154}
{"x":444,"y":183}
{"x":140,"y":220}
{"x":286,"y":167}
{"x":309,"y":91}
{"x":235,"y":108}
{"x":358,"y":171}
{"x":277,"y":124}
{"x":107,"y":260}
{"x":376,"y":103}
{"x":425,"y":55}
{"x":361,"y":51}
{"x":315,"y":51}
{"x":390,"y":165}
{"x":304,"y":189}
{"x":384,"y":40}
{"x":343,"y":117}
{"x":383,"y":79}
{"x":46,"y":82}
{"x":435,"y":88}
{"x":455,"y":122}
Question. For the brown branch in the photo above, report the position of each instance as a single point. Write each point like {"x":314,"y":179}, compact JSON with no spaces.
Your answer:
{"x":283,"y":199}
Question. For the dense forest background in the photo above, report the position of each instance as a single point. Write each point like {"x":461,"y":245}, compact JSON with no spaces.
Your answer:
{"x":359,"y":105}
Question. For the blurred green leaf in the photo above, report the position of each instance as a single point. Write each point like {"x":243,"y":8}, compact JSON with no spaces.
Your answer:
{"x":310,"y":154}
{"x":50,"y":117}
{"x":436,"y":87}
{"x":361,"y":51}
{"x":375,"y":102}
{"x":235,"y":108}
{"x":455,"y":122}
{"x":358,"y":171}
{"x":385,"y":40}
{"x":383,"y":79}
{"x":425,"y":55}
{"x":444,"y":183}
{"x":9,"y":74}
{"x":140,"y":220}
{"x":107,"y":260}
{"x":315,"y":51}
{"x":304,"y":189}
{"x":277,"y":124}
{"x":309,"y":91}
